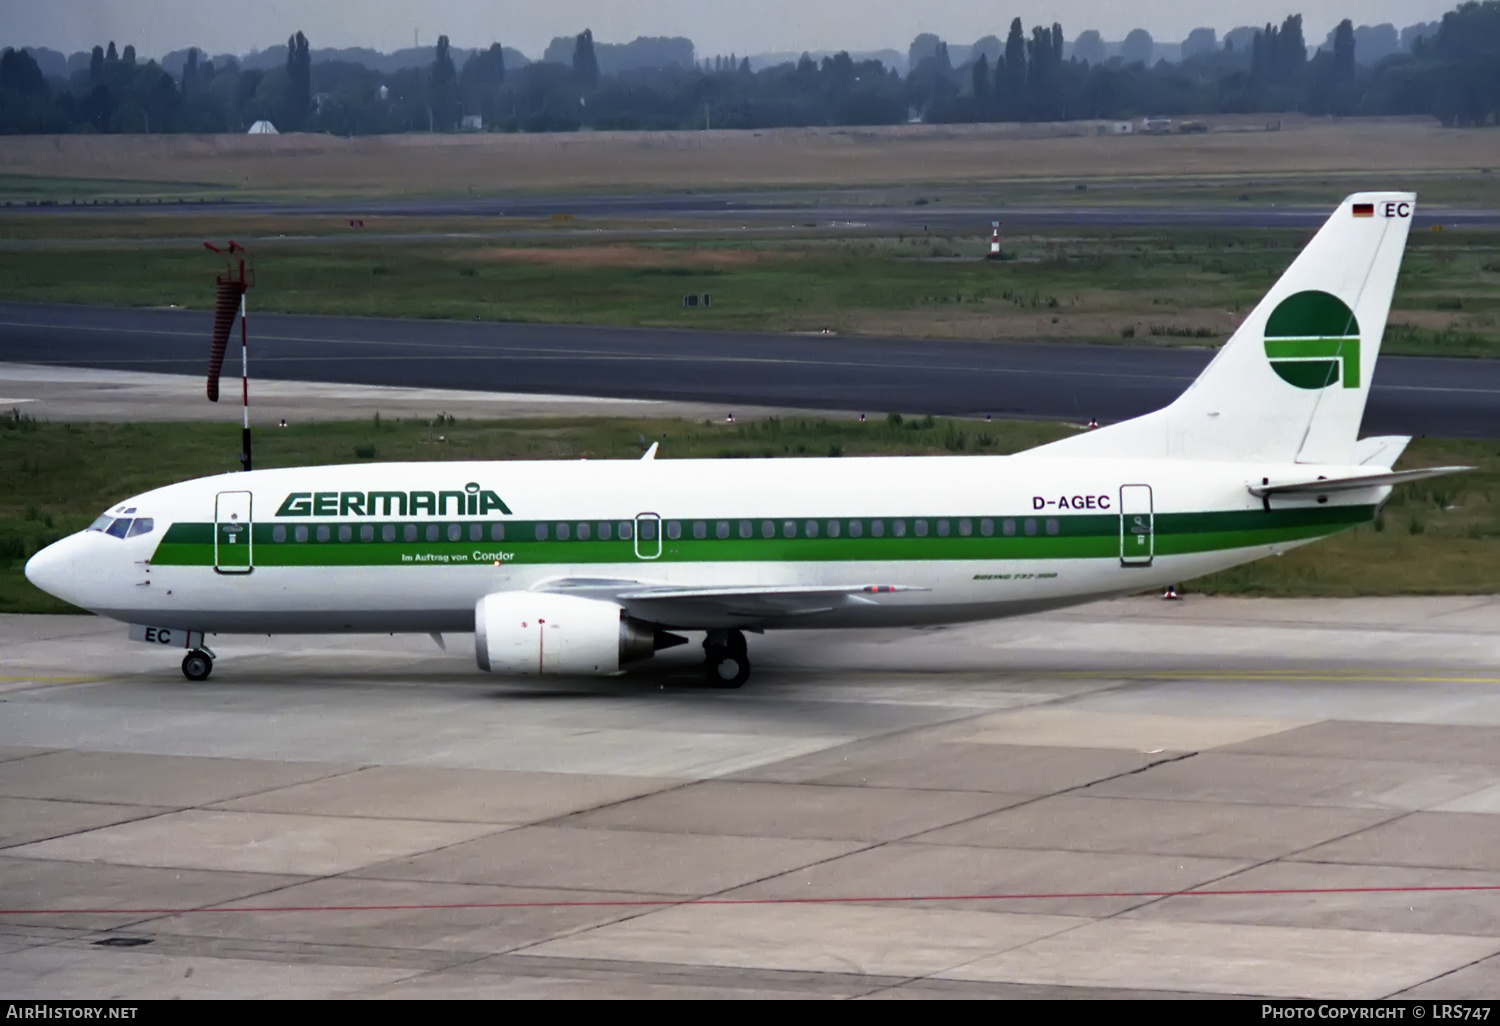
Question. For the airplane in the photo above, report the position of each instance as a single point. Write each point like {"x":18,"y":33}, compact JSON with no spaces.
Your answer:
{"x":585,"y":567}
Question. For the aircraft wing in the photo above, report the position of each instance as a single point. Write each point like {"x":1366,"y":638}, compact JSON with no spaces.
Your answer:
{"x":1323,"y":485}
{"x":686,"y":607}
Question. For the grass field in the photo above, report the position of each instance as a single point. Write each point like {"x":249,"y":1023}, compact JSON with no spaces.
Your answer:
{"x":1145,"y":286}
{"x":1235,"y":148}
{"x":1439,"y":537}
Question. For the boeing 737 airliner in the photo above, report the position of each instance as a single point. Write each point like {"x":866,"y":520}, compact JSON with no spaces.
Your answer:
{"x":582,"y":567}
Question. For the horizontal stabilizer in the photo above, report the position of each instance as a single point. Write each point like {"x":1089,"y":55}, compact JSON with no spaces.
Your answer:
{"x":1323,"y":485}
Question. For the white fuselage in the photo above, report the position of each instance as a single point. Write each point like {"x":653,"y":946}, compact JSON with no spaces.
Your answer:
{"x":411,"y":547}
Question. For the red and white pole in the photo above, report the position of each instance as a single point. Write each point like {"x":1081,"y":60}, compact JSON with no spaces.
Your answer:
{"x":245,"y":383}
{"x":994,"y":240}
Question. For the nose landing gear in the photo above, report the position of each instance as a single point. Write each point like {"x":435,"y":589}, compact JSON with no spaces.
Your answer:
{"x":726,"y":659}
{"x":198,"y":664}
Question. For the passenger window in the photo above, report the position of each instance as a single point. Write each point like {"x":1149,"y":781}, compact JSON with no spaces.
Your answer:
{"x":278,"y":533}
{"x":921,"y":529}
{"x":674,"y":530}
{"x":455,"y":532}
{"x":497,"y":532}
{"x":541,"y":532}
{"x":142,"y":525}
{"x":833,"y":528}
{"x":942,"y":528}
{"x":367,"y":532}
{"x":432,"y":532}
{"x":476,"y":532}
{"x":721,"y":529}
{"x":746,"y":529}
{"x":789,"y":529}
{"x":648,"y":530}
{"x":700,"y":529}
{"x":1030,"y":526}
{"x":583,"y":532}
{"x":1009,"y":527}
{"x":120,"y":528}
{"x":810,"y":528}
{"x":965,"y":528}
{"x":856,"y":528}
{"x":1052,"y":526}
{"x":562,"y":532}
{"x":604,"y":530}
{"x":323,"y":533}
{"x":346,"y":533}
{"x":627,"y":530}
{"x":987,"y":527}
{"x":877,"y":528}
{"x":898,"y":528}
{"x":409,"y":532}
{"x":299,"y":533}
{"x":388,"y":533}
{"x":767,"y":529}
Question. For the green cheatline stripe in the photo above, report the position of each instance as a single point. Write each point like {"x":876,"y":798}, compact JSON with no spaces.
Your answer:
{"x":1086,"y":536}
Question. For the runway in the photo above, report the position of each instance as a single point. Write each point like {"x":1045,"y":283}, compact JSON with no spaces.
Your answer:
{"x":810,"y":209}
{"x":1258,"y":798}
{"x":1410,"y":395}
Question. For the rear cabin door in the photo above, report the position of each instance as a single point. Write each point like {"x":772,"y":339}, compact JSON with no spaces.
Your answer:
{"x":232,"y":554}
{"x":1137,"y":526}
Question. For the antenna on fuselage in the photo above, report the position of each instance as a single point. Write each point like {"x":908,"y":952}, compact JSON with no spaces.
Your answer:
{"x":229,"y":299}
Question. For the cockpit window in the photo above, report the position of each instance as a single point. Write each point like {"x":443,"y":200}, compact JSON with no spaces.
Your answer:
{"x":101,"y":523}
{"x":142,"y":525}
{"x":119,"y":528}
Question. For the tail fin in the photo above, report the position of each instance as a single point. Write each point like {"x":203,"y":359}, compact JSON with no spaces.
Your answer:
{"x":1290,"y":385}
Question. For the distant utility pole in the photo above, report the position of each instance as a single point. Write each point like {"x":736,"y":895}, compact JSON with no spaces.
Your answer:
{"x":707,"y":126}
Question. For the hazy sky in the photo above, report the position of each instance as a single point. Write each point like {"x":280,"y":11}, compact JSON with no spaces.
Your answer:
{"x":716,"y":26}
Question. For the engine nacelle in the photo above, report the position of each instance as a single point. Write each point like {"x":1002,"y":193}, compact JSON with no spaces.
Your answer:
{"x":530,"y":633}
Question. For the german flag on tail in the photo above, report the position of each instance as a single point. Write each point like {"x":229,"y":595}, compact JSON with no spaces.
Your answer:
{"x":1364,"y":210}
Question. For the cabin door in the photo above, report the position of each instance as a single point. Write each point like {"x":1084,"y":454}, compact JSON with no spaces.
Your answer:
{"x":1137,"y":526}
{"x":232,"y":553}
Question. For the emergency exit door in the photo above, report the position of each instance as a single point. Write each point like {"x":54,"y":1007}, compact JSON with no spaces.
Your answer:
{"x":232,"y":553}
{"x":647,"y":536}
{"x":1137,"y":526}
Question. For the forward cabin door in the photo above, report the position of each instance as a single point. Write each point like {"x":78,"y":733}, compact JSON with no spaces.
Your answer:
{"x":232,"y":553}
{"x":1137,"y":526}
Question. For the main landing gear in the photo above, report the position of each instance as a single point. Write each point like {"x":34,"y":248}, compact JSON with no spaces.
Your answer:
{"x":726,"y":659}
{"x":198,"y":664}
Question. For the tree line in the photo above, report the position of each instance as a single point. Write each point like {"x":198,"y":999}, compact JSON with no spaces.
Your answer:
{"x":1453,"y":74}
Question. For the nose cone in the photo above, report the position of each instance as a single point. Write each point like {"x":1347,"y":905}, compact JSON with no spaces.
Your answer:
{"x":54,"y":569}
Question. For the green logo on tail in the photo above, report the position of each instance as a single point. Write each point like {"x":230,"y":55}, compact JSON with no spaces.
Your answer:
{"x":1312,"y":341}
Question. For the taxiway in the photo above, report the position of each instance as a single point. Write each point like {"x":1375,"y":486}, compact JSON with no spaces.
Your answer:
{"x":1228,"y":796}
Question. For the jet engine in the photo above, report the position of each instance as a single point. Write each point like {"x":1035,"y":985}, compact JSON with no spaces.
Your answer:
{"x":532,"y":633}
